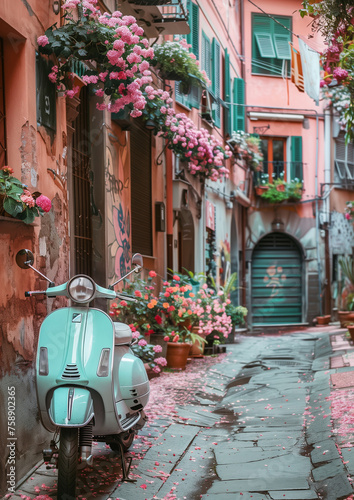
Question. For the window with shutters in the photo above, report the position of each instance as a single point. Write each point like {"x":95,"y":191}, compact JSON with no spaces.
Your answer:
{"x":238,"y":112}
{"x":344,"y":161}
{"x":270,"y":45}
{"x":275,"y":162}
{"x":141,"y":199}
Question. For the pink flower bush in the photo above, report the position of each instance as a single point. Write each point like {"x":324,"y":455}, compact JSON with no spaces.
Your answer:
{"x":117,"y":46}
{"x":203,"y":152}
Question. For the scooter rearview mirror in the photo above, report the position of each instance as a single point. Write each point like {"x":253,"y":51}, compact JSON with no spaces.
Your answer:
{"x":137,"y":260}
{"x":24,"y":258}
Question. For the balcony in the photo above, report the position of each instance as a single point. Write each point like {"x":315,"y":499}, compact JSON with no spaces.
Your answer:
{"x":290,"y":170}
{"x":158,"y":17}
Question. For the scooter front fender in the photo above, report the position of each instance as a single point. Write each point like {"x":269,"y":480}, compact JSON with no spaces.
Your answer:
{"x":71,"y":407}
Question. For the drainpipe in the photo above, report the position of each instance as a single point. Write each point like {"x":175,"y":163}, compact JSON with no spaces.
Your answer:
{"x":318,"y":224}
{"x":326,"y":205}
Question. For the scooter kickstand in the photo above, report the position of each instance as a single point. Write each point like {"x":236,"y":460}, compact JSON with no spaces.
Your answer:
{"x":125,"y":468}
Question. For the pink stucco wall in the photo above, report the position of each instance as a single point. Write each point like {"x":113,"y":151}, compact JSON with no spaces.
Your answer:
{"x":282,"y":95}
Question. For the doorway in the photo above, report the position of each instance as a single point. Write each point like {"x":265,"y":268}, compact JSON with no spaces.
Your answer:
{"x":277,"y":285}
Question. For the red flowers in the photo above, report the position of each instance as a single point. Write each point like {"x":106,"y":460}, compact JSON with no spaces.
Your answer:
{"x":152,"y":274}
{"x":158,"y":319}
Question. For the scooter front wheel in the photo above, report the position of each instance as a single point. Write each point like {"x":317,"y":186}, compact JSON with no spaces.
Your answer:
{"x":67,"y":463}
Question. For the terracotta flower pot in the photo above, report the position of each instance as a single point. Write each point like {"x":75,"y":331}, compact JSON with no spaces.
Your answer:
{"x":351,"y":331}
{"x":323,"y":320}
{"x":345,"y":317}
{"x":260,"y":190}
{"x":197,"y":349}
{"x":177,"y":355}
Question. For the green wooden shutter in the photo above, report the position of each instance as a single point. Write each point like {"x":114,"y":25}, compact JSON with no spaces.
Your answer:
{"x":282,"y":47}
{"x":295,"y":171}
{"x":227,"y":94}
{"x":215,"y":81}
{"x":206,"y":57}
{"x":193,"y":99}
{"x":193,"y":21}
{"x":239,"y":98}
{"x":265,"y":44}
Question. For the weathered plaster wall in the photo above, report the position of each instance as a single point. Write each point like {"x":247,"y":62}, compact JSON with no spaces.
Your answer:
{"x":30,"y":152}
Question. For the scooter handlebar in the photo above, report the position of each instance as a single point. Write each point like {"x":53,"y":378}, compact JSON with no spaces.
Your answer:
{"x":126,"y":297}
{"x":39,"y":292}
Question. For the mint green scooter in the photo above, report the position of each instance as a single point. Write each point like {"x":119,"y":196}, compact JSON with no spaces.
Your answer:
{"x":89,"y":383}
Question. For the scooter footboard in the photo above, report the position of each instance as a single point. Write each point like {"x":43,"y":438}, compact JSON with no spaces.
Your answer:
{"x":71,"y":407}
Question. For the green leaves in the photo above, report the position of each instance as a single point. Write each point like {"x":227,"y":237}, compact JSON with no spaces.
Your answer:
{"x":13,"y":207}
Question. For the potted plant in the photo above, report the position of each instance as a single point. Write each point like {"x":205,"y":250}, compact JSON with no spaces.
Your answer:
{"x":279,"y":190}
{"x":175,"y":62}
{"x":16,"y":200}
{"x":247,"y":147}
{"x":148,"y":353}
{"x":323,"y":320}
{"x":112,"y":49}
{"x":350,"y":327}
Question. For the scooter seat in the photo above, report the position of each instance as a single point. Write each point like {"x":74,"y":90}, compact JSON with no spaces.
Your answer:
{"x":122,"y":334}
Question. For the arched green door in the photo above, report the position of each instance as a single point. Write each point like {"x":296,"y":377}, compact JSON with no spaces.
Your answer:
{"x":276,"y":281}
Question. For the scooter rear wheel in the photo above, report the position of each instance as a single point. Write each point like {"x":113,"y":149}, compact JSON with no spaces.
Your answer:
{"x":126,"y":440}
{"x":67,"y":464}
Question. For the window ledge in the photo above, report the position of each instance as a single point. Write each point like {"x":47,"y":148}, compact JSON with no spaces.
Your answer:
{"x":16,"y":221}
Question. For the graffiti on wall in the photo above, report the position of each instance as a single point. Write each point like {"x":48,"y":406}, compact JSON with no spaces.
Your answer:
{"x":118,"y":215}
{"x":224,"y":261}
{"x":274,"y":279}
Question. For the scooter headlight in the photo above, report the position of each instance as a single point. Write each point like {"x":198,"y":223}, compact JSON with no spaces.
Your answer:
{"x":81,"y":289}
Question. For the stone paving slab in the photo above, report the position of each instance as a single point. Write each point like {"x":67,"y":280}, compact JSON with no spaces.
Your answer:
{"x":174,"y":440}
{"x":324,"y":452}
{"x":246,"y":455}
{"x":245,"y":496}
{"x":194,"y":415}
{"x":294,"y":495}
{"x":328,"y":470}
{"x":284,"y":467}
{"x":348,"y":459}
{"x":343,"y":379}
{"x":336,"y":487}
{"x":259,"y":484}
{"x":292,"y":422}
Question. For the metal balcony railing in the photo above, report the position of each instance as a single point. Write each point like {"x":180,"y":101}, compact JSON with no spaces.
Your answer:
{"x":168,"y":17}
{"x":287,"y":170}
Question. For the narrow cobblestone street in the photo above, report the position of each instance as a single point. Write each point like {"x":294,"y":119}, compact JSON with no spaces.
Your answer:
{"x":254,"y":422}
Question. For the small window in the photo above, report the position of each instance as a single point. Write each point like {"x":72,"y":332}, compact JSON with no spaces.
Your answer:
{"x":344,"y":160}
{"x":275,"y":162}
{"x":270,"y":44}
